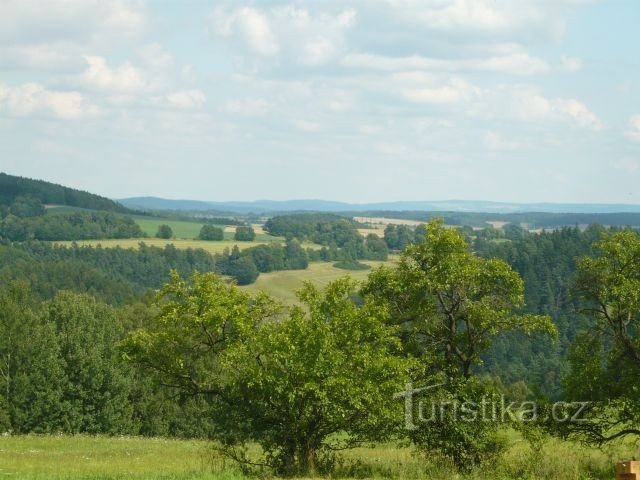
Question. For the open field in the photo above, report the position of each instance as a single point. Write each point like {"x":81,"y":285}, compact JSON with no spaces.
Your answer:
{"x":84,"y":458}
{"x":182,"y":229}
{"x":211,"y":247}
{"x":387,"y":221}
{"x":282,"y":284}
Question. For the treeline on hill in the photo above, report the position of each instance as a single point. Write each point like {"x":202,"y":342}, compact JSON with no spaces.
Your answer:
{"x":67,"y":226}
{"x":338,"y":235}
{"x":119,"y":275}
{"x":531,"y":220}
{"x":12,"y":187}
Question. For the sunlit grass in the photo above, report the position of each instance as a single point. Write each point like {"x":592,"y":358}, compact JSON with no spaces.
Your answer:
{"x":85,"y":457}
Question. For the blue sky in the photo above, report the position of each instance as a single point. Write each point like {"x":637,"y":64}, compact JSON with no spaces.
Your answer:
{"x":504,"y":100}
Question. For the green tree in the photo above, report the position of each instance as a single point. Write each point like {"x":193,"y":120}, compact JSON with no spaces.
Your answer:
{"x":96,"y":385}
{"x":244,"y":234}
{"x":27,"y":206}
{"x":164,"y":231}
{"x":243,"y":269}
{"x":31,"y":371}
{"x":605,"y":359}
{"x":295,"y":256}
{"x":209,"y":232}
{"x":319,"y":379}
{"x":450,"y":305}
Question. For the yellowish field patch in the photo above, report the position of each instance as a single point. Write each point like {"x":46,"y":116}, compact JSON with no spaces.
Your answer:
{"x":256,"y":228}
{"x":377,"y":230}
{"x":211,"y":247}
{"x":496,"y":223}
{"x":387,"y":221}
{"x":283,"y":284}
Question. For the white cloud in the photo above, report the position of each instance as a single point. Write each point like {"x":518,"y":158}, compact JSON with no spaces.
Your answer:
{"x":40,"y":22}
{"x":578,"y":111}
{"x":571,"y":64}
{"x":251,"y":25}
{"x":520,"y":63}
{"x":32,"y":99}
{"x":420,"y":87}
{"x":291,"y":33}
{"x":45,"y":57}
{"x":634,"y":128}
{"x":187,"y":99}
{"x":468,"y":15}
{"x":154,"y":55}
{"x":122,"y":79}
{"x":527,"y":104}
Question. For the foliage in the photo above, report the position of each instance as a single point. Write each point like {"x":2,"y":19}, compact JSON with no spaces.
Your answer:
{"x":351,"y":265}
{"x":26,"y":206}
{"x":209,"y":232}
{"x":73,"y":226}
{"x":291,"y":385}
{"x":450,"y":305}
{"x":12,"y":187}
{"x":397,"y":237}
{"x":605,"y":360}
{"x":164,"y":231}
{"x":244,"y":234}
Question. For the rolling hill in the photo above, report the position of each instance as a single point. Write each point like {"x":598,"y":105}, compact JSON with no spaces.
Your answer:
{"x":48,"y":193}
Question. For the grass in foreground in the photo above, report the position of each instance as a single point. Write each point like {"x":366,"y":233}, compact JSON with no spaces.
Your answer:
{"x":83,"y":458}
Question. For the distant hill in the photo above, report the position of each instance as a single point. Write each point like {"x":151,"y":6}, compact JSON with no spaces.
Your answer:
{"x":270,"y":206}
{"x":53,"y":194}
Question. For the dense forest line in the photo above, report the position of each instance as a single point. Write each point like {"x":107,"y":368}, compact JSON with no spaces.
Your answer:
{"x":12,"y":187}
{"x":530,"y":220}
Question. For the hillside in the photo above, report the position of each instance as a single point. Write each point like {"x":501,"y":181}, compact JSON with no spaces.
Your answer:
{"x":49,"y":193}
{"x":460,"y":206}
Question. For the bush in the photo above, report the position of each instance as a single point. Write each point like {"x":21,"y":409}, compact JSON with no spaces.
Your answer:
{"x":351,"y":265}
{"x":209,"y":232}
{"x":244,"y":234}
{"x":164,"y":231}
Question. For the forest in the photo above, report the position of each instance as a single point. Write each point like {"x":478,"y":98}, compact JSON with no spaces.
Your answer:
{"x":163,"y":341}
{"x":111,"y":323}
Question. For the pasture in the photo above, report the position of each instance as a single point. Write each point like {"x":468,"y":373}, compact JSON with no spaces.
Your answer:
{"x":208,"y":246}
{"x":60,"y":457}
{"x":282,"y":284}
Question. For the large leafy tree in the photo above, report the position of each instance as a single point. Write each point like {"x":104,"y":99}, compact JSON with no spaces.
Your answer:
{"x":328,"y":368}
{"x":605,"y":360}
{"x":449,"y":302}
{"x":319,"y":378}
{"x":450,"y":305}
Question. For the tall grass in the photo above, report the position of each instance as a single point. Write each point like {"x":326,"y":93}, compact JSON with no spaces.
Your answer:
{"x":92,"y":458}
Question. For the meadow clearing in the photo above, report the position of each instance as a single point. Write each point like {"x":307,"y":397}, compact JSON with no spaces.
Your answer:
{"x":208,"y":246}
{"x":81,"y":457}
{"x":283,"y":284}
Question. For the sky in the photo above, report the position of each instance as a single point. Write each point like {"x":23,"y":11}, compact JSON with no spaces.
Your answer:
{"x":357,"y":101}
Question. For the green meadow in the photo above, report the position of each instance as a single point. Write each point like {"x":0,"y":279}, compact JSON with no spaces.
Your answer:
{"x":56,"y":457}
{"x":283,"y":284}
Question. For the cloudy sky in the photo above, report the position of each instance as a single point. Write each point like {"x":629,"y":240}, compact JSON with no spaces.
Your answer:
{"x":364,"y":100}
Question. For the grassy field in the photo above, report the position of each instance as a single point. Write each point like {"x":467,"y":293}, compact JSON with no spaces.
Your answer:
{"x":211,"y":247}
{"x":189,"y":230}
{"x":93,"y":458}
{"x":282,"y":284}
{"x":182,"y":229}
